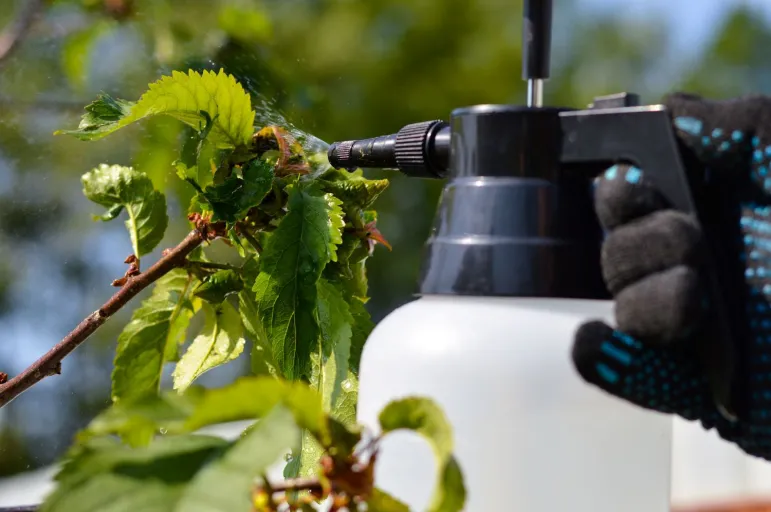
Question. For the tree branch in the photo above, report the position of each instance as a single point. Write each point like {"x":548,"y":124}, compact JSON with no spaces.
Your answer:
{"x":50,"y":362}
{"x":12,"y":36}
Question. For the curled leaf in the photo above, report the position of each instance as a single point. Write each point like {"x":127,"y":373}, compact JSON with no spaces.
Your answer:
{"x":426,"y":418}
{"x":217,"y":286}
{"x":116,"y":187}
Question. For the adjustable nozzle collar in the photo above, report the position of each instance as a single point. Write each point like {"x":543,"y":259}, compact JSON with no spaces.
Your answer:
{"x":419,"y":150}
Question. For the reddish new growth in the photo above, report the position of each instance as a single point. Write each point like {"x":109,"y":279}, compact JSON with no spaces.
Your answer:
{"x":276,"y":138}
{"x":373,"y":236}
{"x":348,"y":482}
{"x":133,"y":270}
{"x":207,"y":229}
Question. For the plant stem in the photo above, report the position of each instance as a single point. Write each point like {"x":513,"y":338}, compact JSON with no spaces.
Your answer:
{"x":212,"y":265}
{"x":50,"y":363}
{"x":252,"y":241}
{"x":297,"y":484}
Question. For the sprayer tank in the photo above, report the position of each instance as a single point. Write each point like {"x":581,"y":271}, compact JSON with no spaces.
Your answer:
{"x":511,"y":270}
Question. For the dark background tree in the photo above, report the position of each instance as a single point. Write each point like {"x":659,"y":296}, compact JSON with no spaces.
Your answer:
{"x":334,"y":68}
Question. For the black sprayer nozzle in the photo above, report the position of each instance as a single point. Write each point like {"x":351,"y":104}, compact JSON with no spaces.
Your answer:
{"x":421,"y":150}
{"x":536,"y":48}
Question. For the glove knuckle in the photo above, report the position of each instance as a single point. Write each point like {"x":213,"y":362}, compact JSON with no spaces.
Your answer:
{"x":654,"y":243}
{"x":663,"y":307}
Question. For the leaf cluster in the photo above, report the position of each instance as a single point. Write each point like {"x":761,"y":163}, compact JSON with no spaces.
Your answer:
{"x":301,"y":233}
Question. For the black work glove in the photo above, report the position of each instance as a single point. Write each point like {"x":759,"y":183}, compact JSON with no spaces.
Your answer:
{"x":651,"y":262}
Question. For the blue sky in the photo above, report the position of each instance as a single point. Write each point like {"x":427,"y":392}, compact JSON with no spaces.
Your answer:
{"x":689,"y":21}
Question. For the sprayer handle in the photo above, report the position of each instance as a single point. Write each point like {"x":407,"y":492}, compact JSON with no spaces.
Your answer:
{"x":597,"y":138}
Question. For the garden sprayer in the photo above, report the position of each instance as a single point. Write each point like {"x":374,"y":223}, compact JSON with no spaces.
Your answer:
{"x":511,"y":268}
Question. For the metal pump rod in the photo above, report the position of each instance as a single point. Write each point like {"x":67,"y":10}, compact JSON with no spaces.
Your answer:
{"x":536,"y":48}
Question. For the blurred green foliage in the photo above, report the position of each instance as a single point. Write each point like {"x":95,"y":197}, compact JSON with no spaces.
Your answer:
{"x":338,"y":69}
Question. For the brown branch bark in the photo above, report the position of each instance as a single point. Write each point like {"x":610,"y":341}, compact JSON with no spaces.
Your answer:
{"x":50,"y":362}
{"x":12,"y":36}
{"x":297,"y":484}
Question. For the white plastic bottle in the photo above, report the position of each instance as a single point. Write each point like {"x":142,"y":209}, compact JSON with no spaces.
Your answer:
{"x":530,"y":435}
{"x":511,"y":270}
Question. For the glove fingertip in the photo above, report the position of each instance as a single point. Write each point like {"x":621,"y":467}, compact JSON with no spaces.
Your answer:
{"x":586,"y":345}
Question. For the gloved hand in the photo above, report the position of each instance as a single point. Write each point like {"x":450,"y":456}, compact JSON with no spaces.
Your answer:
{"x":651,"y":262}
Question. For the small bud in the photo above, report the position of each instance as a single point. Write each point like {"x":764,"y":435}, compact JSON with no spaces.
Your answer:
{"x":131,"y":258}
{"x":133,"y":270}
{"x":3,"y":377}
{"x":119,"y":282}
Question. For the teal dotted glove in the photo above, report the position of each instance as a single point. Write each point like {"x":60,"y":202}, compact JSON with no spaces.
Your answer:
{"x":651,"y":262}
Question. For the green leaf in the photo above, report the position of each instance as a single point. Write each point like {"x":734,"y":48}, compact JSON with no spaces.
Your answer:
{"x":184,"y":97}
{"x":424,"y":417}
{"x":291,"y":264}
{"x":116,"y":187}
{"x":105,"y":476}
{"x":379,"y":501}
{"x":262,"y":362}
{"x":362,"y":328}
{"x":262,"y":353}
{"x":254,"y":397}
{"x":137,"y":422}
{"x":233,"y":199}
{"x":215,"y":287}
{"x":337,"y":386}
{"x":225,"y":484}
{"x":356,"y":192}
{"x":152,"y":336}
{"x":350,"y":268}
{"x":331,"y":361}
{"x":221,"y":342}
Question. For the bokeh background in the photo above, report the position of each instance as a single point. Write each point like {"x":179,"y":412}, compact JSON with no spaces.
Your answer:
{"x":337,"y":69}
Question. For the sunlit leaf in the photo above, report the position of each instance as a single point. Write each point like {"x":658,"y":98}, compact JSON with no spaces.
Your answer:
{"x":105,"y":476}
{"x":426,"y":418}
{"x":184,"y":96}
{"x":138,"y":421}
{"x":379,"y":501}
{"x":152,"y":336}
{"x":254,"y":397}
{"x":221,"y":341}
{"x":225,"y":485}
{"x":117,"y":188}
{"x":335,"y":383}
{"x":291,"y":264}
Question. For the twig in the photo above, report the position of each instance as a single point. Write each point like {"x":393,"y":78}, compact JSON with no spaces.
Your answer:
{"x":212,"y":265}
{"x":12,"y":36}
{"x":297,"y":484}
{"x":50,"y":362}
{"x":251,"y":239}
